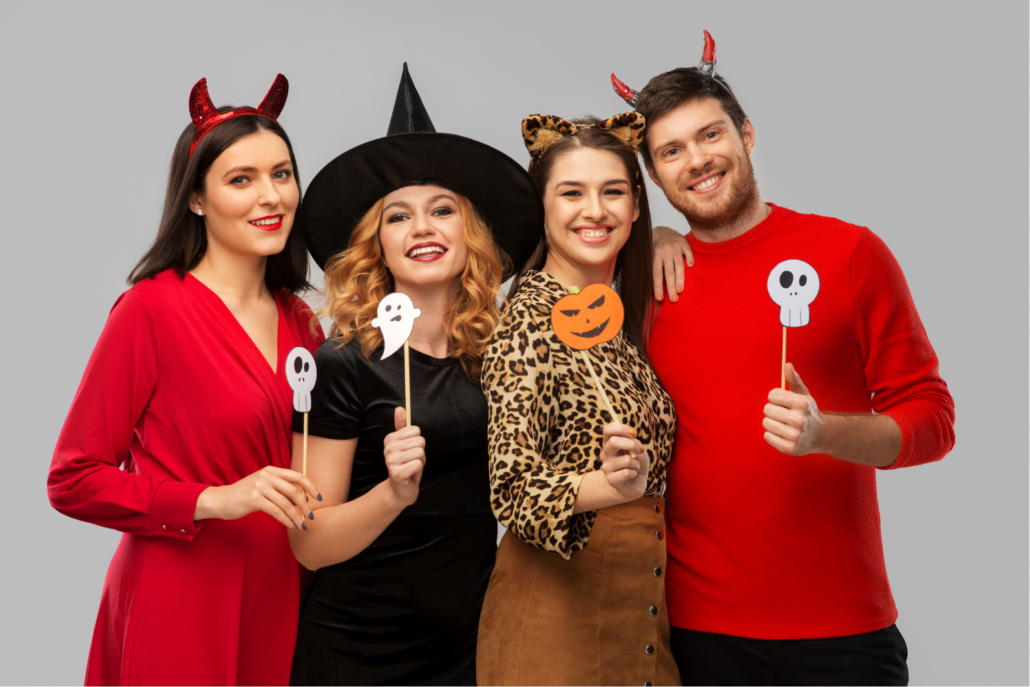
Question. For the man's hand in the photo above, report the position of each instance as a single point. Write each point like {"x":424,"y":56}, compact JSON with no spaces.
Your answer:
{"x":671,"y":249}
{"x":793,"y":423}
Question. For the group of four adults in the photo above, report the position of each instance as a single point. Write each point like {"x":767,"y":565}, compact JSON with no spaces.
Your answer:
{"x":766,"y":555}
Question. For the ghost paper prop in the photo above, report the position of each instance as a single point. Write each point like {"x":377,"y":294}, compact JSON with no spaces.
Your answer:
{"x":793,"y":285}
{"x":301,"y":374}
{"x":396,"y":317}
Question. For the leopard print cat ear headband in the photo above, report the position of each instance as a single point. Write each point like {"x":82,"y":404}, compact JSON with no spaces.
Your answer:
{"x":541,"y":131}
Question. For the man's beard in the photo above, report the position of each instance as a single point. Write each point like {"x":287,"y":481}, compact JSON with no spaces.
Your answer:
{"x":708,"y":216}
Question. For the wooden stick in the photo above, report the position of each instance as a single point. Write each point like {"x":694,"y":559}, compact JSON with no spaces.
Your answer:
{"x":304,"y":465}
{"x":407,"y":387}
{"x":783,"y":362}
{"x":600,"y":389}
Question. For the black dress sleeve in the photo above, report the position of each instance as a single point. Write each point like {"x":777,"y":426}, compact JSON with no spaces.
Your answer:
{"x":336,"y":404}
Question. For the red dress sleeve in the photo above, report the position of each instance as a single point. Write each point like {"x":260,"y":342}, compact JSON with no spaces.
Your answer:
{"x":900,"y":364}
{"x":86,"y":478}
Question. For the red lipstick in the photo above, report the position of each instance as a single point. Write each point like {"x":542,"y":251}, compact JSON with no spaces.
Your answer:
{"x":275,"y":226}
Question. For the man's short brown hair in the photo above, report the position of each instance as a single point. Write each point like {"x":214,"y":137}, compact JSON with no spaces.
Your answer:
{"x":665,"y":92}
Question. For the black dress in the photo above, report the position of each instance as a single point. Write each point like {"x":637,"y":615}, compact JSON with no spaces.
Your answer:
{"x":406,"y":609}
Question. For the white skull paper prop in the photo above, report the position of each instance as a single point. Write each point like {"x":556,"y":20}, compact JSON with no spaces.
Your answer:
{"x":396,"y":316}
{"x":301,"y":374}
{"x":793,"y":285}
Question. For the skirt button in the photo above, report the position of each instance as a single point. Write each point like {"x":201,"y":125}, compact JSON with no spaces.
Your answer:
{"x":648,"y":649}
{"x":657,"y":508}
{"x":657,"y":572}
{"x":653,"y":610}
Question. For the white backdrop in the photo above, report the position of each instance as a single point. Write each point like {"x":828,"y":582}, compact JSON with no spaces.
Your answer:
{"x":909,"y":118}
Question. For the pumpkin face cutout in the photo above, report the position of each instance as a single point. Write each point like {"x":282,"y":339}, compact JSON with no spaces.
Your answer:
{"x":590,"y":317}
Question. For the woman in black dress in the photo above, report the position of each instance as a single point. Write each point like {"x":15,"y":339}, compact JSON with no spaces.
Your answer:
{"x":404,"y":541}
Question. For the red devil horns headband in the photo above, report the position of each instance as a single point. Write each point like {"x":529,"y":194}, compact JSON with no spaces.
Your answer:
{"x":206,"y":116}
{"x":707,"y":67}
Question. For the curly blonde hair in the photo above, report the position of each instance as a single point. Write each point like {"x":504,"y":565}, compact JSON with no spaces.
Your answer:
{"x":356,"y":280}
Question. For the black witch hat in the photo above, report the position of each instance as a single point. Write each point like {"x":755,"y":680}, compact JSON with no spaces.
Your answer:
{"x":412,"y":152}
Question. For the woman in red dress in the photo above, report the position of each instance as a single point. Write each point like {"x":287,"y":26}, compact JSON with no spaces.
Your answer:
{"x":179,"y":434}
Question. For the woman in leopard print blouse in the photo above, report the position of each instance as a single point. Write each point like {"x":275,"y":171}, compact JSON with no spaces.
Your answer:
{"x":577,"y":592}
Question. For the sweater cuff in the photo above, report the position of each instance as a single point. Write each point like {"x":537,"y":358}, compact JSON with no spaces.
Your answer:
{"x":174,"y":505}
{"x":905,"y":454}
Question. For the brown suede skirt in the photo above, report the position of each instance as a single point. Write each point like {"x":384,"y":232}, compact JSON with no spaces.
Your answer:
{"x":598,"y":618}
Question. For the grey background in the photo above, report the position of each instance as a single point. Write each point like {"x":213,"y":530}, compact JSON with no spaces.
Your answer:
{"x":910,"y":118}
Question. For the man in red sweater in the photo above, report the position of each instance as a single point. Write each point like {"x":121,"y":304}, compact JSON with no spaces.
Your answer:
{"x":776,"y":572}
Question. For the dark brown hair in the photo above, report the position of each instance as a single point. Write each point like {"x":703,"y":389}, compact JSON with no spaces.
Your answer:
{"x":181,"y":237}
{"x":633,"y":279}
{"x":665,"y":92}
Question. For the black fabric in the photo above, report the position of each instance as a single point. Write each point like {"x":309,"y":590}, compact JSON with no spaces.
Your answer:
{"x":409,"y":114}
{"x":406,"y":609}
{"x":343,"y":191}
{"x":873,"y":658}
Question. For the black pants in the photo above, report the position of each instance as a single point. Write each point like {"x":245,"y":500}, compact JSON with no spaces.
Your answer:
{"x":874,"y":658}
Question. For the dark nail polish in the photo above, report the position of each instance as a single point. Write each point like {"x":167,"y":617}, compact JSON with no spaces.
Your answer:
{"x":304,"y":527}
{"x":311,"y":515}
{"x":319,"y":495}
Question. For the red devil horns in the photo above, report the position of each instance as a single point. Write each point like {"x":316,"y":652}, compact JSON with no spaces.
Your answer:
{"x":707,"y":65}
{"x":625,"y":92}
{"x":275,"y":99}
{"x":206,"y":116}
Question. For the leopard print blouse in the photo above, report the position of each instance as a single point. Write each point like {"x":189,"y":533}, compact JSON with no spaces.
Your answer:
{"x":546,"y":418}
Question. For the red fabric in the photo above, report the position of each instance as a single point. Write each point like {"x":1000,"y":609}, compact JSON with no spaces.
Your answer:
{"x":179,"y":397}
{"x":762,"y":544}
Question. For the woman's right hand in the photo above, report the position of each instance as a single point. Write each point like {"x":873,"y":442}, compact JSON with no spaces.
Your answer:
{"x":405,"y":452}
{"x":624,"y":461}
{"x":276,"y":491}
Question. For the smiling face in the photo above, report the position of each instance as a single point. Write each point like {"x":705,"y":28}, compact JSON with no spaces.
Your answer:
{"x":422,"y":232}
{"x":590,"y":205}
{"x":702,"y":163}
{"x":250,"y":197}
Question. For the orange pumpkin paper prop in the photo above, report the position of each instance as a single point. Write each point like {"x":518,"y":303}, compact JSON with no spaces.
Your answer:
{"x":586,"y":318}
{"x":592,"y":316}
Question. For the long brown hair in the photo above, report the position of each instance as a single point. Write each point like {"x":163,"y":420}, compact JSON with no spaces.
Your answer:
{"x":633,"y":279}
{"x":182,"y":238}
{"x":356,"y":280}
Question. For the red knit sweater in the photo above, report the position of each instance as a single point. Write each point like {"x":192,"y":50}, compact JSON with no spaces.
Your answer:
{"x":762,"y":544}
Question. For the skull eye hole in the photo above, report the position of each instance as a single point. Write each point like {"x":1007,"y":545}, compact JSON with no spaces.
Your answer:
{"x":802,"y":280}
{"x":786,"y":279}
{"x":570,"y":313}
{"x":596,"y":304}
{"x":298,"y":364}
{"x":306,"y":367}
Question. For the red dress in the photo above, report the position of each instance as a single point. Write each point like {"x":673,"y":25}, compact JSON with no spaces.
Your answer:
{"x":179,"y":397}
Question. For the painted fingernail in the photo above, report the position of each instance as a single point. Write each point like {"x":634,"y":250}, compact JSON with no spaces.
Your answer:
{"x":679,"y":288}
{"x":659,"y":297}
{"x":673,"y":298}
{"x":311,"y":515}
{"x":304,"y":527}
{"x":293,"y":524}
{"x":319,"y":495}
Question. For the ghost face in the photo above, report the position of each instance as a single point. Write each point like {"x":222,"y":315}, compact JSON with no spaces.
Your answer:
{"x":422,"y":232}
{"x":301,"y":374}
{"x":396,"y":316}
{"x":793,"y":285}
